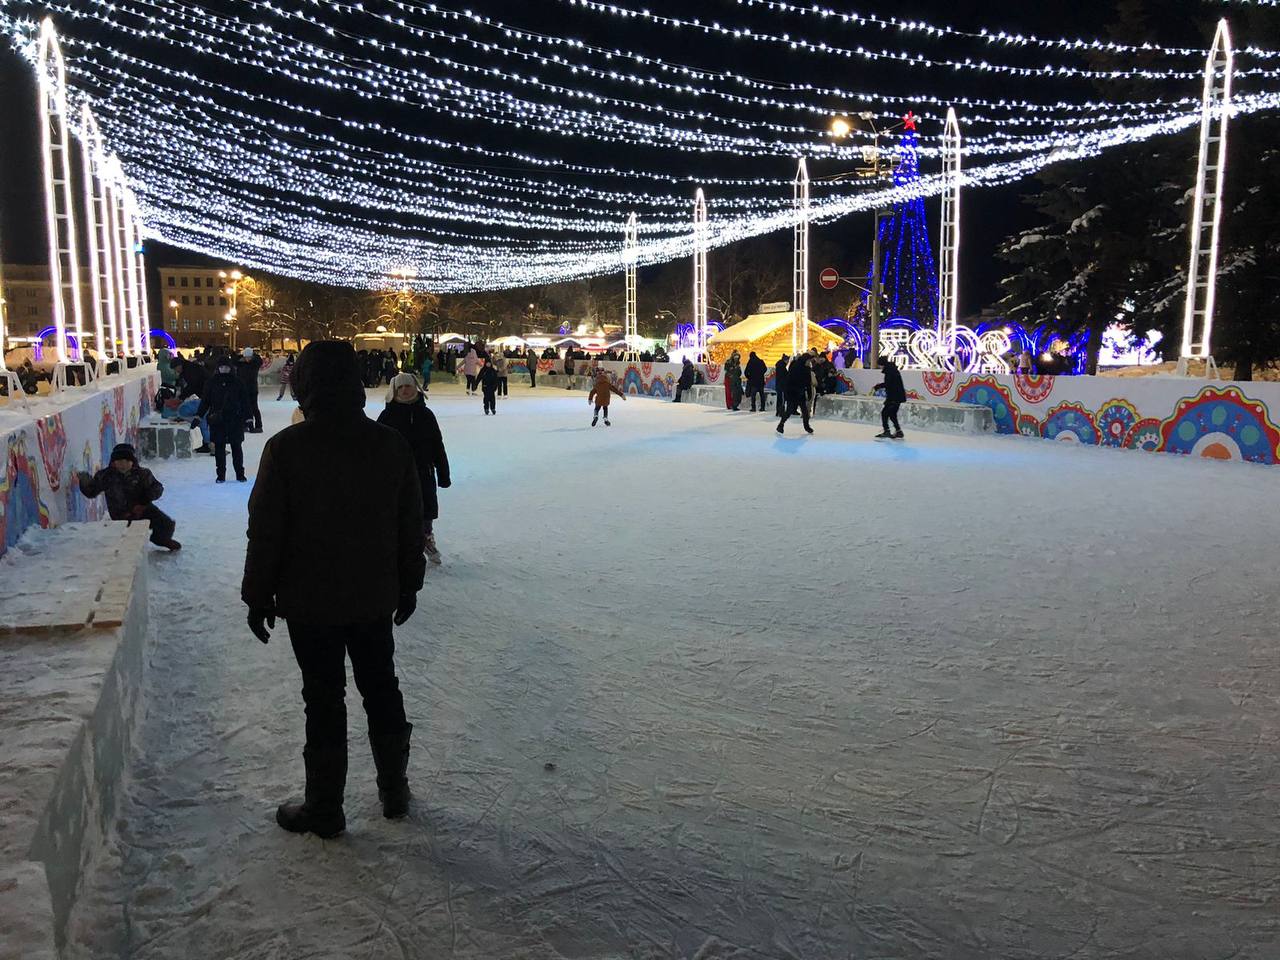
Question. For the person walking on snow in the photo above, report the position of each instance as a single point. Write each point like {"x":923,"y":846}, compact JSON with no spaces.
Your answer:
{"x":687,"y":374}
{"x":286,"y":374}
{"x":600,"y":395}
{"x":131,"y":492}
{"x":407,"y":413}
{"x":733,"y":381}
{"x":470,"y":367}
{"x":780,"y":388}
{"x":225,"y":406}
{"x":895,"y":395}
{"x":338,"y":485}
{"x":797,"y":392}
{"x":755,"y":372}
{"x":247,"y":368}
{"x":488,"y":381}
{"x":500,"y":366}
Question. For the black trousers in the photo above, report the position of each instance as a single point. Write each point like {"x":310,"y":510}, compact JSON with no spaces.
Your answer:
{"x":890,"y":412}
{"x":321,"y":652}
{"x":754,"y":391}
{"x":490,"y":404}
{"x":220,"y":458}
{"x":471,"y":382}
{"x":533,"y":376}
{"x":679,"y":390}
{"x":601,"y":409}
{"x":792,"y":407}
{"x":162,"y":525}
{"x":257,"y":413}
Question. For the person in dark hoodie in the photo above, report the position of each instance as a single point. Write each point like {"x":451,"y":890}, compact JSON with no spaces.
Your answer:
{"x":780,"y":388}
{"x":406,"y":412}
{"x":338,"y":485}
{"x":225,"y":407}
{"x":687,"y":374}
{"x":131,"y":492}
{"x":247,"y":368}
{"x":755,"y":371}
{"x":895,"y":395}
{"x":487,"y":378}
{"x":798,"y":382}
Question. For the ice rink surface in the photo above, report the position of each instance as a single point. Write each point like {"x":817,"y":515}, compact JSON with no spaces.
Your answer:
{"x":813,"y":697}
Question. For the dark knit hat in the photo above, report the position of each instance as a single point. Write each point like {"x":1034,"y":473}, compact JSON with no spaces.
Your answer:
{"x":327,"y":377}
{"x":123,"y":451}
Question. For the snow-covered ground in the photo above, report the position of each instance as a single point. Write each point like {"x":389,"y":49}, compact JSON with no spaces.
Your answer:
{"x":806,"y":697}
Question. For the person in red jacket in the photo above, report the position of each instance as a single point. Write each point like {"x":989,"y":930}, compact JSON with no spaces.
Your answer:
{"x":600,"y":395}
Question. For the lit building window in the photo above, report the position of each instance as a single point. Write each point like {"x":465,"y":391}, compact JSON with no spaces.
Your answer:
{"x":183,"y":281}
{"x":172,"y":280}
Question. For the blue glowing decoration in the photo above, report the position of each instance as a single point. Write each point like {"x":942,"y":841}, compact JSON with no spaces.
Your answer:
{"x":73,"y":348}
{"x":908,"y":271}
{"x":168,"y":340}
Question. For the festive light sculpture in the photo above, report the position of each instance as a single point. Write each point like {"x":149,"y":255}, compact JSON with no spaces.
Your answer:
{"x":949,"y":242}
{"x":128,"y":275}
{"x":1206,"y":213}
{"x":800,"y":261}
{"x":630,"y":246}
{"x":700,"y":274}
{"x":97,"y":233}
{"x":60,"y":214}
{"x":142,"y":325}
{"x":119,"y":316}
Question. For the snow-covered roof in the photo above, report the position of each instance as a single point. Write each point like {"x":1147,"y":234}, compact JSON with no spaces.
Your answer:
{"x":760,"y":325}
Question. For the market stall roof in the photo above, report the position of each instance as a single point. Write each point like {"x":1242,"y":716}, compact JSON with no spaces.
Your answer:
{"x":768,"y":334}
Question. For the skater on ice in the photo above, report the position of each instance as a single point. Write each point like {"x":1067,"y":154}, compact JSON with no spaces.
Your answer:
{"x":338,"y":485}
{"x":286,"y":374}
{"x":470,"y":367}
{"x":407,"y":413}
{"x":895,"y":395}
{"x":131,"y":492}
{"x":600,"y":395}
{"x":780,"y":388}
{"x":755,"y":372}
{"x":247,"y":368}
{"x":798,"y":384}
{"x":226,"y":407}
{"x":487,"y":379}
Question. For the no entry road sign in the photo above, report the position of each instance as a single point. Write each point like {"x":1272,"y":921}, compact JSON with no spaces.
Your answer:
{"x":829,"y":278}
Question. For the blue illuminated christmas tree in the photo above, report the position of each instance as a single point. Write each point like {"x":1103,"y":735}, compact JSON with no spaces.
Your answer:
{"x":908,"y":272}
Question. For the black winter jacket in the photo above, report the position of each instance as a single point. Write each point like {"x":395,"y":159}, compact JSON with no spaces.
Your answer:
{"x":225,"y":406}
{"x":755,"y":372}
{"x":894,"y":391}
{"x":335,"y":521}
{"x":488,"y":378}
{"x":418,"y":425}
{"x":687,"y":374}
{"x":780,"y":377}
{"x":798,"y":381}
{"x":124,"y":491}
{"x":247,"y":370}
{"x":192,"y":380}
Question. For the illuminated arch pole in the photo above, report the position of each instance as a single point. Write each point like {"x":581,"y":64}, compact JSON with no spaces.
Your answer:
{"x":97,"y":234}
{"x":800,"y":260}
{"x":119,"y":316}
{"x":142,"y":327}
{"x":128,"y":276}
{"x":1202,"y":272}
{"x":64,"y":267}
{"x":949,"y":244}
{"x":700,"y":274}
{"x":630,"y":247}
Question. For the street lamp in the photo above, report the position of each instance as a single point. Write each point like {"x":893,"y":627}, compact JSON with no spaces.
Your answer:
{"x":231,"y":290}
{"x":173,"y":305}
{"x":878,"y":165}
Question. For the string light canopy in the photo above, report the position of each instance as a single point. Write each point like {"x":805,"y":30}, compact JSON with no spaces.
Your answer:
{"x":337,"y":141}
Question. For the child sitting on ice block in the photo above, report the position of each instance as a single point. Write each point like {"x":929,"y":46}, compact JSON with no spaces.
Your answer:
{"x":131,"y":493}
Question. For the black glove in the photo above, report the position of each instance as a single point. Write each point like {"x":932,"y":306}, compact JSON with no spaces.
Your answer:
{"x":404,"y":609}
{"x":444,"y":483}
{"x":259,"y":619}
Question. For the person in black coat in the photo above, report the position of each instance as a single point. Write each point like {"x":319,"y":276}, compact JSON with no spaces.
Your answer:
{"x":488,"y":378}
{"x":337,"y":485}
{"x":225,"y":407}
{"x":797,"y":396}
{"x":407,"y":412}
{"x":895,"y":395}
{"x":247,"y":368}
{"x":687,"y":375}
{"x":755,"y":371}
{"x":192,"y":377}
{"x":780,"y":387}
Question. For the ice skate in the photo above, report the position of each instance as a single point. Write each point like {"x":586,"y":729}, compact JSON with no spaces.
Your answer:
{"x":433,"y":553}
{"x":884,"y":435}
{"x":898,"y":436}
{"x":593,"y":420}
{"x":607,"y":423}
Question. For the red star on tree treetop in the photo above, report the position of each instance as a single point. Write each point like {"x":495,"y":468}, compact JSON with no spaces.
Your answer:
{"x":909,"y":121}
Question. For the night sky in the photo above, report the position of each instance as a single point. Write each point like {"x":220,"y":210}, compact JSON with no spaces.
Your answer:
{"x":989,"y":214}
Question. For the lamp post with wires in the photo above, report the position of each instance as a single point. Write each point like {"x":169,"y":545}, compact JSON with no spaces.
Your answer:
{"x":231,"y":320}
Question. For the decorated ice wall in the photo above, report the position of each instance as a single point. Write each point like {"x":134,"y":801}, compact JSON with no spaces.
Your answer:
{"x":1204,"y":418}
{"x":42,"y":456}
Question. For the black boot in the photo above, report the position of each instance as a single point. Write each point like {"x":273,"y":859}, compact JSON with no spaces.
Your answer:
{"x":321,"y":810}
{"x":391,"y":759}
